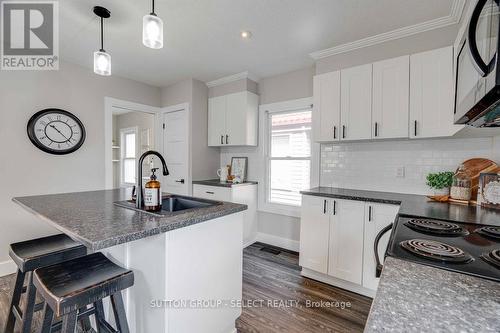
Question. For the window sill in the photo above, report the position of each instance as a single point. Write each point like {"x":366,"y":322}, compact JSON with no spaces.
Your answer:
{"x":286,"y":210}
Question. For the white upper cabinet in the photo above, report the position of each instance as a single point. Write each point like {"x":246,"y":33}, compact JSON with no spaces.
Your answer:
{"x":345,"y":259}
{"x":432,"y":94}
{"x":326,"y":110}
{"x":356,"y":103}
{"x":233,"y":119}
{"x":391,"y":94}
{"x":314,"y":231}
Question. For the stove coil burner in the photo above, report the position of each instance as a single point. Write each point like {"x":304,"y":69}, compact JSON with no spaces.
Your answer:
{"x":493,"y":232}
{"x":492,"y":258}
{"x":440,"y":228}
{"x":436,"y":251}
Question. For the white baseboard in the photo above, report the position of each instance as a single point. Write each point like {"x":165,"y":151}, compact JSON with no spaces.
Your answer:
{"x":285,"y":243}
{"x":247,"y":243}
{"x":7,"y":267}
{"x":338,"y":282}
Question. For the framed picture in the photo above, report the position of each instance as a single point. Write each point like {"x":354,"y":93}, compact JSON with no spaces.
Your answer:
{"x":489,"y":190}
{"x":239,"y":167}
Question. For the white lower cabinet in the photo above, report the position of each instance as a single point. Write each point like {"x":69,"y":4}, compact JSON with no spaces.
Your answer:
{"x":337,"y":238}
{"x":245,"y":194}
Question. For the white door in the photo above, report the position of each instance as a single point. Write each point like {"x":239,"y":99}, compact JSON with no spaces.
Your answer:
{"x":216,"y":120}
{"x":345,"y":260}
{"x":432,"y":94}
{"x":377,"y":217}
{"x":236,"y":121}
{"x":314,"y":227}
{"x":391,"y":93}
{"x":356,"y":103}
{"x":176,"y":152}
{"x":326,"y":111}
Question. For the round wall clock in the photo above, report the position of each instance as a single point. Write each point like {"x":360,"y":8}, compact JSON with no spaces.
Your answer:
{"x":56,"y":131}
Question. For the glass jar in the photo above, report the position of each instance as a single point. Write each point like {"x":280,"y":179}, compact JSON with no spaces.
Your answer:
{"x":461,"y":188}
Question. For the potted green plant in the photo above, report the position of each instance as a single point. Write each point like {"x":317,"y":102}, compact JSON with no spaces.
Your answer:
{"x":440,"y":182}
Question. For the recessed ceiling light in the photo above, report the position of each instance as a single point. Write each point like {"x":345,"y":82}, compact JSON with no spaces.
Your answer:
{"x":246,"y":34}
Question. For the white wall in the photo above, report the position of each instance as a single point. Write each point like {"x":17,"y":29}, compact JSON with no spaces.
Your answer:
{"x":373,"y":165}
{"x":24,"y":169}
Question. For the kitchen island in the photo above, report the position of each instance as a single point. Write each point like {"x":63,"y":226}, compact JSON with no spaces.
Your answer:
{"x":187,"y":265}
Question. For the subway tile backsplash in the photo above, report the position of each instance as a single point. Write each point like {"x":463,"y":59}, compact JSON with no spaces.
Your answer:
{"x":375,"y":165}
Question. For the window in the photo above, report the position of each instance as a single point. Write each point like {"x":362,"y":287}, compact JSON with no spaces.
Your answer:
{"x":128,"y":156}
{"x":289,"y":156}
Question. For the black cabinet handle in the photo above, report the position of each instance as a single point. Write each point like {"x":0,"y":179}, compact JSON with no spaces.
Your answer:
{"x":334,"y":207}
{"x":376,"y":129}
{"x":334,"y":132}
{"x":415,"y":128}
{"x":370,"y":213}
{"x":324,"y":206}
{"x":222,"y":139}
{"x":227,"y":139}
{"x":209,"y":192}
{"x":180,"y":181}
{"x":343,"y":131}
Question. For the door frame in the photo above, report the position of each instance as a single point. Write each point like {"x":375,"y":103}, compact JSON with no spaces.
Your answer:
{"x":109,"y":104}
{"x":160,"y":137}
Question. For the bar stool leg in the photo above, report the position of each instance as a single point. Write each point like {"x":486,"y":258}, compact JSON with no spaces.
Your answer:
{"x":29,"y":306}
{"x":69,"y":322}
{"x":48,"y":316}
{"x":119,"y":312}
{"x":99,"y":315}
{"x":85,"y":322}
{"x":16,"y":297}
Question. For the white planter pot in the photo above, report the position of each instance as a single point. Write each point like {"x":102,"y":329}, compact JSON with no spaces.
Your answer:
{"x":443,"y":191}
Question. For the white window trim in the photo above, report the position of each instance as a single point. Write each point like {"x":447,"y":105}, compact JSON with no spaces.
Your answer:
{"x":287,"y":106}
{"x":124,"y":131}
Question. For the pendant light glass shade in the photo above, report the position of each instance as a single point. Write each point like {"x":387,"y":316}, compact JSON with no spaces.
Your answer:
{"x":102,"y":63}
{"x":152,"y":31}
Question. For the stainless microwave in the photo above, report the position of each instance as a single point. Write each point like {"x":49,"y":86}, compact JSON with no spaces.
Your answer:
{"x":477,"y":94}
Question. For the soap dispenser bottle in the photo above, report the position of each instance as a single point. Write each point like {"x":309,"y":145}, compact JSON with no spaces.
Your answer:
{"x":152,"y":193}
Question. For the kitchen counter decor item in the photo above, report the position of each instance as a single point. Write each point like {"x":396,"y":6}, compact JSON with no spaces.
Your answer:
{"x":440,"y":182}
{"x":476,"y":166}
{"x":239,"y":166}
{"x":489,"y":190}
{"x":461,"y":185}
{"x":223,"y":173}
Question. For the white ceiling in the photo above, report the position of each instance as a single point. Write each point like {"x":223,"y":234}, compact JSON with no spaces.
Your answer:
{"x":201,"y":37}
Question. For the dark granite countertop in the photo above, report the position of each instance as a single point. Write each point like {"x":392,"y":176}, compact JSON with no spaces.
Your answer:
{"x":93,"y":219}
{"x":217,"y":182}
{"x":418,"y":298}
{"x":415,"y":205}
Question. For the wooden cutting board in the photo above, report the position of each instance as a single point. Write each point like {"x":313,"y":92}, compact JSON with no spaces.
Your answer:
{"x":474,"y":167}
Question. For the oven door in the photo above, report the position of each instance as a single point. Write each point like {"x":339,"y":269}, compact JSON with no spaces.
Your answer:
{"x":476,"y":61}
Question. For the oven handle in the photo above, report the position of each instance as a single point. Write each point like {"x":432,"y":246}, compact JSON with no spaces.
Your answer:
{"x":483,"y":68}
{"x":378,"y":269}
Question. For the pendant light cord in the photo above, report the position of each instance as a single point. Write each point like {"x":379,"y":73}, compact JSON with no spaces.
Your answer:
{"x":102,"y":35}
{"x":153,"y":8}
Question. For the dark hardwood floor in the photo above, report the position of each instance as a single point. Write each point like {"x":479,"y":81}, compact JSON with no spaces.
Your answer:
{"x":268,"y":279}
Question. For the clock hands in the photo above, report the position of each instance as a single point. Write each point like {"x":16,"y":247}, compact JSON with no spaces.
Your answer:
{"x":58,"y":131}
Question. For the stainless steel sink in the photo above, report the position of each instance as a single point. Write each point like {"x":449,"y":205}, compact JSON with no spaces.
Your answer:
{"x":172,"y":204}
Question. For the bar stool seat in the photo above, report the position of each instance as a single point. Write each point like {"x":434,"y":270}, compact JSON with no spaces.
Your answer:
{"x":28,"y":256}
{"x":69,"y":287}
{"x":35,"y":253}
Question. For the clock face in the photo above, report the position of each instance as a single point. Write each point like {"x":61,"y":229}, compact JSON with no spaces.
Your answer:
{"x":56,"y":131}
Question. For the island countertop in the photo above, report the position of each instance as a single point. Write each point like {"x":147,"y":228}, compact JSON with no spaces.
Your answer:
{"x":417,"y":298}
{"x":93,"y":219}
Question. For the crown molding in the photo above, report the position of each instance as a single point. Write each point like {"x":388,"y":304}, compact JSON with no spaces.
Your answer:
{"x":453,"y":18}
{"x":232,"y":78}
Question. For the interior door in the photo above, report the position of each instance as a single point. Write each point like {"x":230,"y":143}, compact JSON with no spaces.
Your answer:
{"x":216,"y":121}
{"x":356,"y":103}
{"x":176,"y":152}
{"x":377,"y":217}
{"x":345,"y":260}
{"x":391,"y":97}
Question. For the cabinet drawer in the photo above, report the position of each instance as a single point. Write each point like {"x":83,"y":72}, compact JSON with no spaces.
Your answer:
{"x":212,"y":192}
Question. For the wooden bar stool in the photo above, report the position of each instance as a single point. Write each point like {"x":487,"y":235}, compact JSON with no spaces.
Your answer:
{"x":70,"y":287}
{"x":28,"y":256}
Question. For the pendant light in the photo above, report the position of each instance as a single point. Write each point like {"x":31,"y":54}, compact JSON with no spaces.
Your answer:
{"x":102,"y":60}
{"x":152,"y":30}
